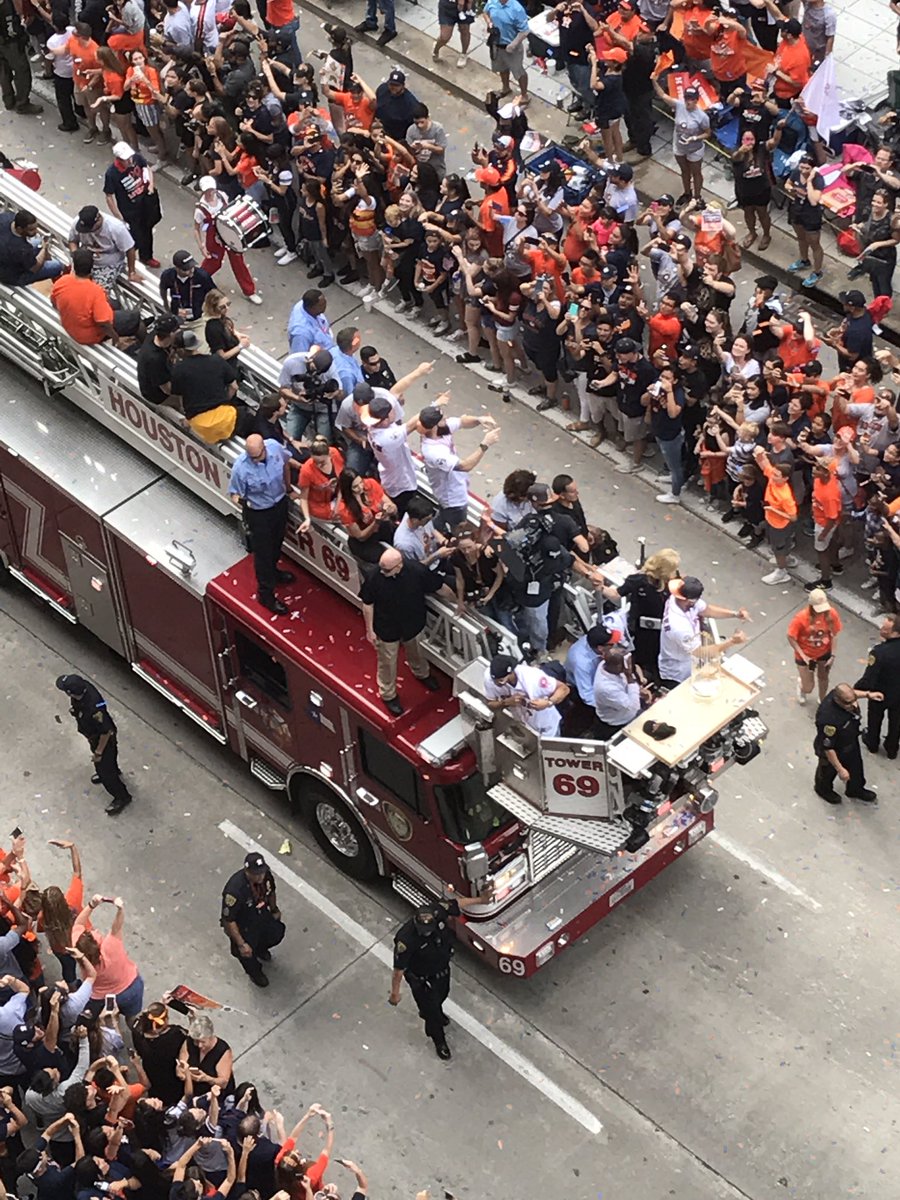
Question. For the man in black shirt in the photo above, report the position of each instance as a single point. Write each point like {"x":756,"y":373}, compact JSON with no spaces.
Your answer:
{"x":637,"y":84}
{"x":882,"y":675}
{"x":184,"y":286}
{"x":51,"y":1180}
{"x":395,"y":105}
{"x":154,"y":370}
{"x":837,"y":744}
{"x":635,"y":376}
{"x":376,"y":369}
{"x":853,"y":338}
{"x":394,"y":608}
{"x":21,"y":262}
{"x":15,"y":69}
{"x":423,"y":948}
{"x":94,"y":723}
{"x":206,"y":386}
{"x":575,"y":35}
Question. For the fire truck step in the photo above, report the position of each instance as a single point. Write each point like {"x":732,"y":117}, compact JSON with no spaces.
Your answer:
{"x":410,"y":892}
{"x":267,"y":775}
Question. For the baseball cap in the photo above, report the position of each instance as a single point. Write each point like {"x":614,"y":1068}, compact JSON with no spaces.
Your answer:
{"x":501,"y":140}
{"x":123,"y":152}
{"x":854,"y":298}
{"x":690,"y":351}
{"x":689,"y":588}
{"x":322,"y":360}
{"x":189,"y":340}
{"x":502,"y":665}
{"x":72,"y":685}
{"x":208,"y":183}
{"x":682,"y":239}
{"x":539,"y":492}
{"x":254,"y":862}
{"x":792,"y":26}
{"x":379,"y":408}
{"x":617,"y":54}
{"x":608,"y":272}
{"x":768,"y":283}
{"x":691,"y":94}
{"x":363,"y":393}
{"x":23,"y":1035}
{"x":627,"y":346}
{"x":184,"y":259}
{"x":818,"y":601}
{"x":396,"y":76}
{"x":599,"y":635}
{"x":87,"y":218}
{"x":430,"y":417}
{"x":488,"y":175}
{"x":622,"y":170}
{"x":666,"y":200}
{"x":166,"y":324}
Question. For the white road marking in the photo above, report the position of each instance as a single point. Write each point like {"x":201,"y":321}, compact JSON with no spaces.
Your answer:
{"x":744,"y":856}
{"x":372,"y":944}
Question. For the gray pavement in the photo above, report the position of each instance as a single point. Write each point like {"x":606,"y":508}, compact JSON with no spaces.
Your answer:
{"x":733,"y":1027}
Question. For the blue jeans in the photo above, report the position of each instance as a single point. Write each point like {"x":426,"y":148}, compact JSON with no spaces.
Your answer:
{"x":292,"y":46}
{"x":580,"y":79}
{"x":671,"y":452}
{"x":129,"y":1003}
{"x":359,"y":458}
{"x":297,"y":419}
{"x":387,"y":8}
{"x":51,"y":268}
{"x":532,"y":626}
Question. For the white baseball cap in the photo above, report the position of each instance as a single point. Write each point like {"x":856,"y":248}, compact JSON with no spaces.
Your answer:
{"x":123,"y":151}
{"x":208,"y":184}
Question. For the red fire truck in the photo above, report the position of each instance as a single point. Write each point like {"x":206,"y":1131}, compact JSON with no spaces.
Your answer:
{"x":119,"y":519}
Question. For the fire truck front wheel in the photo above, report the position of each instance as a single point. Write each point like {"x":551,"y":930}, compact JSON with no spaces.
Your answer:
{"x":338,"y":830}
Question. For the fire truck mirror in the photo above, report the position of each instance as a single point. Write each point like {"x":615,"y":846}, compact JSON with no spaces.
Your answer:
{"x":474,"y":863}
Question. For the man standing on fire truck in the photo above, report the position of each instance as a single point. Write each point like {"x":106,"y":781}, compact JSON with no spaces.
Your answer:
{"x":94,"y":723}
{"x":260,"y":482}
{"x":423,"y":948}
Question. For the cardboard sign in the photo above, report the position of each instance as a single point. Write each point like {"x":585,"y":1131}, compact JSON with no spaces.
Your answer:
{"x":679,"y":81}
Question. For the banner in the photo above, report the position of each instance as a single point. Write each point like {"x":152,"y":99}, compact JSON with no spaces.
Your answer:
{"x":679,"y":81}
{"x":822,"y":96}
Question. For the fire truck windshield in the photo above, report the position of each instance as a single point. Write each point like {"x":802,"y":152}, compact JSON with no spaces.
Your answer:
{"x":468,"y":812}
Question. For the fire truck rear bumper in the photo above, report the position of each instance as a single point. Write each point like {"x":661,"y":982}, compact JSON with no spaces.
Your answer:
{"x":554,"y":914}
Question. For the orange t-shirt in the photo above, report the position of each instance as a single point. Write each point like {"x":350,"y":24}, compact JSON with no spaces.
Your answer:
{"x":826,"y":500}
{"x":369,"y":503}
{"x":625,"y":29}
{"x":794,"y":59}
{"x":279,"y":12}
{"x":793,"y":350}
{"x":814,"y":632}
{"x":245,"y":167}
{"x":781,"y":496}
{"x":727,"y":56}
{"x":543,"y":264}
{"x":696,"y":40}
{"x":323,"y":489}
{"x":135,"y":1091}
{"x":113,"y":84}
{"x":316,"y":1172}
{"x":360,"y":111}
{"x":82,"y":305}
{"x":664,"y":333}
{"x":84,"y":58}
{"x":115,"y":971}
{"x":143,"y":93}
{"x":492,"y":205}
{"x":840,"y":418}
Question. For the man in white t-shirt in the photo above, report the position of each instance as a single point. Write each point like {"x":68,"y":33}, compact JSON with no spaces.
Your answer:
{"x":526,"y":693}
{"x":389,"y":439}
{"x":680,"y":636}
{"x":447,"y":472}
{"x":416,"y":537}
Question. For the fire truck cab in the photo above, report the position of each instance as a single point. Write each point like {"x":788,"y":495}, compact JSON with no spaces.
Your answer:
{"x":119,"y":519}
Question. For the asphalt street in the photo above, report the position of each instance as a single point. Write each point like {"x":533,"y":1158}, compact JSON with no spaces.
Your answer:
{"x":732,"y":1028}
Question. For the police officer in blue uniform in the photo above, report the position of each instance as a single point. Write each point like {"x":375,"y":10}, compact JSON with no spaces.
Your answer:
{"x":837,"y":744}
{"x":93,"y":722}
{"x":251,"y":917}
{"x":423,"y":948}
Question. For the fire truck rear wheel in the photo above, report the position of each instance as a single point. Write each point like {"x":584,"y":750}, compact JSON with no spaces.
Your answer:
{"x":338,"y":831}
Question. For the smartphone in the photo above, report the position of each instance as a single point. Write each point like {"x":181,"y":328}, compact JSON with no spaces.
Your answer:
{"x":573,"y":310}
{"x":109,"y":1003}
{"x":16,"y":833}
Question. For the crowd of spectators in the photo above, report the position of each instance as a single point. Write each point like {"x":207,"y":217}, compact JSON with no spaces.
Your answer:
{"x":104,"y":1095}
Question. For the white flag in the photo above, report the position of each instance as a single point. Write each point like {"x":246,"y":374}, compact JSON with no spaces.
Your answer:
{"x":822,"y":97}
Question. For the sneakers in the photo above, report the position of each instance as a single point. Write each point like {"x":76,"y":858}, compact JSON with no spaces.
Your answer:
{"x":29,"y":110}
{"x":365,"y":27}
{"x":799,"y":264}
{"x":801,"y":695}
{"x":869,"y":584}
{"x":791,"y":560}
{"x":825,"y":584}
{"x":116,"y":806}
{"x":668,"y":498}
{"x":776,"y":576}
{"x":386,"y":288}
{"x":812,"y":279}
{"x":89,"y":136}
{"x":404,"y":306}
{"x":286,"y":258}
{"x":462,"y":62}
{"x":442,"y":328}
{"x":387,"y":36}
{"x":433,"y":321}
{"x":844,"y":553}
{"x":628,"y":468}
{"x":256,"y":298}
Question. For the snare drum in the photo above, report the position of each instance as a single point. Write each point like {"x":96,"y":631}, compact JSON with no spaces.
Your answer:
{"x":242,"y":224}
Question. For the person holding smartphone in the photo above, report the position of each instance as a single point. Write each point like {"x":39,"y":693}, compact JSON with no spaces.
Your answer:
{"x":116,"y":974}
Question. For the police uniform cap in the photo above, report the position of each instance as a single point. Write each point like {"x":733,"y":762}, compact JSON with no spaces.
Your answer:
{"x":254,"y":862}
{"x":502,"y":665}
{"x":72,"y":685}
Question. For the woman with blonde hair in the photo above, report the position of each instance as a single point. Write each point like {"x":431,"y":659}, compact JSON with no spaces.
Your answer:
{"x":646,"y":592}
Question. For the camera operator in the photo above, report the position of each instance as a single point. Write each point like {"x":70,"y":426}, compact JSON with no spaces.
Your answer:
{"x":311,"y":385}
{"x":536,"y":566}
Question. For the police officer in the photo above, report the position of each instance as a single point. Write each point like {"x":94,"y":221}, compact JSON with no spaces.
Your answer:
{"x":94,"y":723}
{"x":883,"y":674}
{"x":259,"y":486}
{"x":837,"y":744}
{"x":423,"y":948}
{"x":251,"y":918}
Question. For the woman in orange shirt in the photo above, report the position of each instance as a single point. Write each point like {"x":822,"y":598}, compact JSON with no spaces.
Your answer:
{"x":318,"y":483}
{"x":110,"y":78}
{"x":367,"y":514}
{"x":780,"y":508}
{"x":142,"y":81}
{"x":813,"y":633}
{"x":793,"y":63}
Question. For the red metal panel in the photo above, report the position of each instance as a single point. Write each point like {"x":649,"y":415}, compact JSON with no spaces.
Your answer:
{"x":33,"y":505}
{"x":167,"y":632}
{"x":8,"y":544}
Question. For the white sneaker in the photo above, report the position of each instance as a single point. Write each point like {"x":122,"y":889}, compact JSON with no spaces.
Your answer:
{"x":281,"y":251}
{"x":776,"y":576}
{"x":844,"y":553}
{"x":441,"y":328}
{"x":801,"y":695}
{"x":668,"y":498}
{"x":404,"y":306}
{"x":386,"y":288}
{"x":457,"y":335}
{"x":628,"y":468}
{"x":462,"y":61}
{"x":792,"y":560}
{"x":286,"y":258}
{"x":367,"y":292}
{"x":869,"y":584}
{"x":256,"y":298}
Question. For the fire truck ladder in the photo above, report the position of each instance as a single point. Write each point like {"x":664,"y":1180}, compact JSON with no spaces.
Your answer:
{"x":102,"y":381}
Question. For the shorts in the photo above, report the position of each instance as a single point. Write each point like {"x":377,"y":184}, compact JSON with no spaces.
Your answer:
{"x":781,"y":540}
{"x":448,"y":13}
{"x":822,"y":658}
{"x":123,"y":107}
{"x":807,"y":225}
{"x":823,"y":541}
{"x":509,"y":333}
{"x":147,"y":114}
{"x":546,"y":363}
{"x":634,"y":429}
{"x":368,"y":245}
{"x":511,"y":61}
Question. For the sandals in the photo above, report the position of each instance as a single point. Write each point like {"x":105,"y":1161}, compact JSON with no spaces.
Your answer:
{"x":748,"y":241}
{"x":658,"y":730}
{"x":765,"y":241}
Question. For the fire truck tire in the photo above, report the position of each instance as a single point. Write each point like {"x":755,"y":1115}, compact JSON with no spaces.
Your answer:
{"x":338,"y":830}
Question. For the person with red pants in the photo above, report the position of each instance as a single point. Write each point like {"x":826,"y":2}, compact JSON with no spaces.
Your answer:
{"x":213,"y":249}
